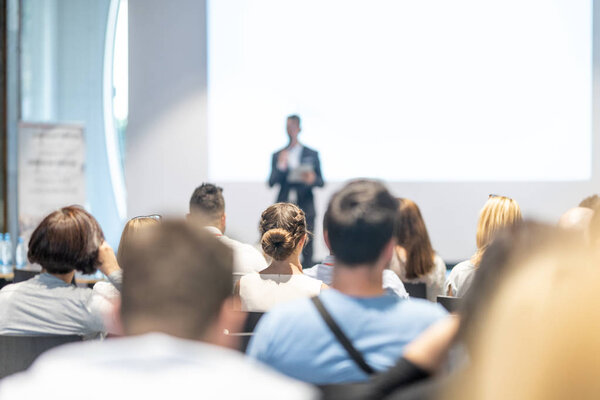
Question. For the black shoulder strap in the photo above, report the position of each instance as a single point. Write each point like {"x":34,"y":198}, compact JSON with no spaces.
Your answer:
{"x":339,"y":335}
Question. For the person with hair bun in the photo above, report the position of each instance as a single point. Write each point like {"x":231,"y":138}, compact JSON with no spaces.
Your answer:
{"x":283,"y":236}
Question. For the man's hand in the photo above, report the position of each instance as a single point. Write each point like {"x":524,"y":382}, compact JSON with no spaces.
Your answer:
{"x":282,"y":160}
{"x":309,"y":178}
{"x":108,"y":260}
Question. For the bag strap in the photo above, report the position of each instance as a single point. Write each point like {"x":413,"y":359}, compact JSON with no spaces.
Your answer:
{"x":341,"y":337}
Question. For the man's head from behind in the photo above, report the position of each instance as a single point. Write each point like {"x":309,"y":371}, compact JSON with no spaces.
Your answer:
{"x":178,"y":281}
{"x":207,"y":205}
{"x":359,"y":223}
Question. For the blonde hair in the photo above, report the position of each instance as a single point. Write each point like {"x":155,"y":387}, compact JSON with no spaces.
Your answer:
{"x":130,"y":231}
{"x":538,"y":339}
{"x":282,"y":227}
{"x":498,"y":212}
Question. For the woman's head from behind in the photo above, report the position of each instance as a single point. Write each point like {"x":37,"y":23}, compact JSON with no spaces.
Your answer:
{"x":132,"y":229}
{"x":283,"y":230}
{"x":68,"y":239}
{"x":498,"y":212}
{"x":412,"y":235}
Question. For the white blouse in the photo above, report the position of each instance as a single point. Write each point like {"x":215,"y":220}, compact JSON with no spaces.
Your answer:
{"x":261,"y":292}
{"x":434,"y":280}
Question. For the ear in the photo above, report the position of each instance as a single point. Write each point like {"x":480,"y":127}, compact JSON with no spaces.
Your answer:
{"x":303,"y":241}
{"x":388,"y":252}
{"x":223,"y":222}
{"x":326,"y":238}
{"x":228,"y":320}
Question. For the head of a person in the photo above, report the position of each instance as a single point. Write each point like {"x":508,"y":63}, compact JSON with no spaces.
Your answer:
{"x":178,"y":281}
{"x":577,"y":220}
{"x":67,"y":239}
{"x":498,"y":213}
{"x":207,"y":206}
{"x":293,"y":127}
{"x":283,"y":231}
{"x":412,"y":235}
{"x":359,"y":224}
{"x":592,"y":202}
{"x":132,"y":229}
{"x":533,"y":329}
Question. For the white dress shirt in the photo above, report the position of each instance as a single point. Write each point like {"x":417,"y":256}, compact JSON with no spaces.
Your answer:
{"x":151,"y":366}
{"x":246,"y":258}
{"x":324,"y":272}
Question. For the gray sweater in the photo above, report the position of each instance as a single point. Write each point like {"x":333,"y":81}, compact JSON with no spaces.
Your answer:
{"x":46,"y":305}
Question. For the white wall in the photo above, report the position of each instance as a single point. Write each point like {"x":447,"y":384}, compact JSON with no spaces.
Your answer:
{"x":166,"y":143}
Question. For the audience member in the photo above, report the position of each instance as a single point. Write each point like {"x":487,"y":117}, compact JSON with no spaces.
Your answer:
{"x":132,"y":229}
{"x":295,"y":339}
{"x":415,"y":261}
{"x":324,"y":271}
{"x":497,"y":213}
{"x":537,"y":336}
{"x":175,"y":304}
{"x":66,"y":241}
{"x":577,"y":220}
{"x":284,"y":234}
{"x":207,"y":208}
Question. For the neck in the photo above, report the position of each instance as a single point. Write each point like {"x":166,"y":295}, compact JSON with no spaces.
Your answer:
{"x":358,"y":281}
{"x":289,"y":266}
{"x":293,"y":143}
{"x":68,"y":277}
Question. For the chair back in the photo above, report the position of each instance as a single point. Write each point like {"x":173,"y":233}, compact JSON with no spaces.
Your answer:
{"x":250,"y":323}
{"x":17,"y":353}
{"x":418,"y":290}
{"x":452,"y":304}
{"x":24,"y":275}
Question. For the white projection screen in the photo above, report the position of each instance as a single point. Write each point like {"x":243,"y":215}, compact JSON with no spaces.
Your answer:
{"x":416,"y":91}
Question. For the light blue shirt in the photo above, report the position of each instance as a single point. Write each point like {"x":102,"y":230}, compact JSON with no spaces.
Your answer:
{"x":294,"y":339}
{"x":324,"y":273}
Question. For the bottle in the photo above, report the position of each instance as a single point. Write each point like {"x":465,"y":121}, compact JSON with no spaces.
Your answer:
{"x":21,"y":254}
{"x":7,"y":261}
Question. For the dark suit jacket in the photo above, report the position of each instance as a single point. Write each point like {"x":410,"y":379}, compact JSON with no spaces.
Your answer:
{"x":305,"y":194}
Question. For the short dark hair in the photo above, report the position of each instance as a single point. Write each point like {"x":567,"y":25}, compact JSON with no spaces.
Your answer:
{"x":592,"y":202}
{"x":208,"y":199}
{"x":295,"y":118}
{"x":360,"y":221}
{"x":67,"y":239}
{"x":177,"y":278}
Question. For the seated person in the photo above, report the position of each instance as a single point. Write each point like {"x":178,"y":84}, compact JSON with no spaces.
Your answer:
{"x":294,"y":339}
{"x":414,"y":260}
{"x":66,"y":241}
{"x":324,"y":271}
{"x":284,"y":234}
{"x":498,"y":212}
{"x":175,"y":306}
{"x":207,"y":209}
{"x":132,"y":229}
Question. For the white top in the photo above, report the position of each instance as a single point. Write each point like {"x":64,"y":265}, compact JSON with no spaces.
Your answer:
{"x":460,"y":278}
{"x":294,"y":158}
{"x":324,"y":272}
{"x":261,"y":292}
{"x":434,"y":280}
{"x":152,"y":366}
{"x":47,"y":305}
{"x":246,"y":258}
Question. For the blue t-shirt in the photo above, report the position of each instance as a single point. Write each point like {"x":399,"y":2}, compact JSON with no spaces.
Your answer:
{"x":294,"y":339}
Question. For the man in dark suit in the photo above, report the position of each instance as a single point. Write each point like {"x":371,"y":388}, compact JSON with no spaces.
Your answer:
{"x":297,"y":187}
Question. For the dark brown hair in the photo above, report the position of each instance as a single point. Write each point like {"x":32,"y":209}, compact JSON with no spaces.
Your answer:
{"x":592,"y":202}
{"x":282,"y":226}
{"x":411,"y":234}
{"x":208,"y":200}
{"x":66,"y":240}
{"x":360,"y":222}
{"x":177,"y":278}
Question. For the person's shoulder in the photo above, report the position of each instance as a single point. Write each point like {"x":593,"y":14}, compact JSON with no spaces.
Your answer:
{"x":310,"y":150}
{"x":462,"y":267}
{"x":312,"y":272}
